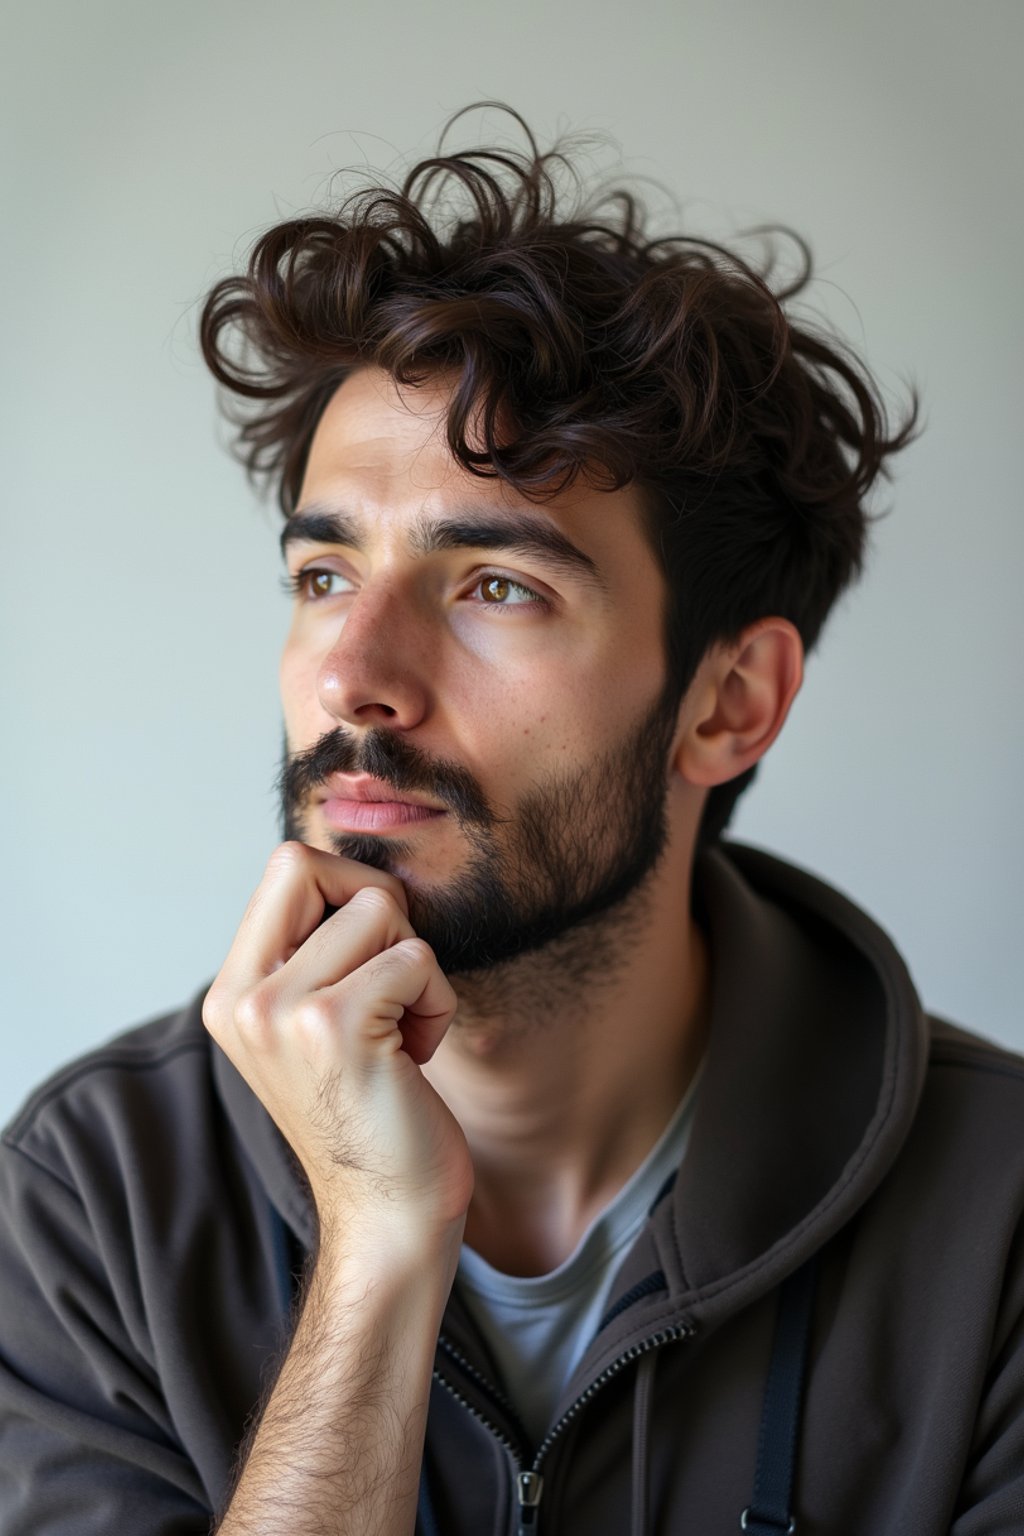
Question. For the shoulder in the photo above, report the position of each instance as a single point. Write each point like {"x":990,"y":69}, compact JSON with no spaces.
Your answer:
{"x":952,"y":1046}
{"x":976,"y":1076}
{"x":126,"y":1164}
{"x":116,"y":1101}
{"x":135,"y":1243}
{"x":967,"y":1138}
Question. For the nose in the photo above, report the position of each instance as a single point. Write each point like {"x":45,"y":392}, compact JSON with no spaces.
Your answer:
{"x":375,"y":671}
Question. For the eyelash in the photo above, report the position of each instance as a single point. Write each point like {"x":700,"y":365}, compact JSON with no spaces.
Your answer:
{"x":296,"y":585}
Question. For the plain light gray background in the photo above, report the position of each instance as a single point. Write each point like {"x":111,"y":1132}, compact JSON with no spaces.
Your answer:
{"x":145,"y":145}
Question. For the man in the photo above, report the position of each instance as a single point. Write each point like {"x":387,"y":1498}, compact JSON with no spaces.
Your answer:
{"x":536,"y":1161}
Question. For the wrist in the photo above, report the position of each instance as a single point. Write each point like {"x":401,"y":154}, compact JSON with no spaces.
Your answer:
{"x":386,"y":1254}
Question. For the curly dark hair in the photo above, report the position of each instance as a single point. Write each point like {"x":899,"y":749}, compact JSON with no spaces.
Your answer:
{"x":579,"y":346}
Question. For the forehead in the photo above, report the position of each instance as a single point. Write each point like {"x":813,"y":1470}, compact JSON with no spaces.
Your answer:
{"x":374,"y":427}
{"x":379,"y":455}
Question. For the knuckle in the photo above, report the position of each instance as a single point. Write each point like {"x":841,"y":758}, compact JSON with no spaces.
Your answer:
{"x":376,"y":901}
{"x":254,"y":1014}
{"x":413,"y":953}
{"x":288,"y":859}
{"x":215,"y":1010}
{"x":313,"y":1016}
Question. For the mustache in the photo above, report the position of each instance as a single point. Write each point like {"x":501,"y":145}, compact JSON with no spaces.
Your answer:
{"x":384,"y":756}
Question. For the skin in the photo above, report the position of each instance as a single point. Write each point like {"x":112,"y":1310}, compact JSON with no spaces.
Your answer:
{"x":514,"y":1126}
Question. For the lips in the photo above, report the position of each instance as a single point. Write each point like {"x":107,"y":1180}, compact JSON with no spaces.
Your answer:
{"x":359,"y":803}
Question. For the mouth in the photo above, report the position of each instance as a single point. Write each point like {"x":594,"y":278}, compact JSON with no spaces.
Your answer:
{"x":359,"y":803}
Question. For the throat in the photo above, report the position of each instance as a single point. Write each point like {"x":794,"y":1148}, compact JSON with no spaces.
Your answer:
{"x":534,"y":1229}
{"x":527,"y":1237}
{"x":565,"y":1067}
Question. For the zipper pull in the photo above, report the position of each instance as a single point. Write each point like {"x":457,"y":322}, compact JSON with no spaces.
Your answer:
{"x":530,"y":1486}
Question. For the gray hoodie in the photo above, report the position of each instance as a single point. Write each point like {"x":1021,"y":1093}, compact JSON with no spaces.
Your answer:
{"x":153,"y":1227}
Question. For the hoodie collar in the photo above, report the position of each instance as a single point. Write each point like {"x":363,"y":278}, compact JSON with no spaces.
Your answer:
{"x":818,"y":1047}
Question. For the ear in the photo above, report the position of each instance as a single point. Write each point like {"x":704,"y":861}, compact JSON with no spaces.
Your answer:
{"x":738,"y":702}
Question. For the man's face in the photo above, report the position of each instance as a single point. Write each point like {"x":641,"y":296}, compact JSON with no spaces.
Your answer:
{"x":473,"y":684}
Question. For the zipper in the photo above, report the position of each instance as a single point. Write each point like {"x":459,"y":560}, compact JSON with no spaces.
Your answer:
{"x":529,"y":1487}
{"x":672,"y":1335}
{"x":529,"y":1482}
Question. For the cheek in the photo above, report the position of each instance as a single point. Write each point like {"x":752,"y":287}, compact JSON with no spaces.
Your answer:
{"x":544,"y":724}
{"x":297,"y":682}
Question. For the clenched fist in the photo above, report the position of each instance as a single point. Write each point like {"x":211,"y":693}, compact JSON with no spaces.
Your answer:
{"x":329,"y":1022}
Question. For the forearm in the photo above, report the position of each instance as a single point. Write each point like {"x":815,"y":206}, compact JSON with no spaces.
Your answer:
{"x":330,"y":1021}
{"x":338,"y":1447}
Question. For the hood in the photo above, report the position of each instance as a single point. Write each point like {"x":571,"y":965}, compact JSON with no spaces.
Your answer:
{"x":816,"y":1062}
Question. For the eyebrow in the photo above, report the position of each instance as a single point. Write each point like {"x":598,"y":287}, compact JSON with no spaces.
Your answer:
{"x":518,"y":534}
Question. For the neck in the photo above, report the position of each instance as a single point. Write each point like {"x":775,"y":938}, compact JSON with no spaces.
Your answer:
{"x":565,"y":1066}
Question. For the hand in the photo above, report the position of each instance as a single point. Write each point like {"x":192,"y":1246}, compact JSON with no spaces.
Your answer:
{"x":329,"y":1023}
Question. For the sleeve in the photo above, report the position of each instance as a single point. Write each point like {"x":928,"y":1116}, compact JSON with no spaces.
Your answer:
{"x":87,"y":1446}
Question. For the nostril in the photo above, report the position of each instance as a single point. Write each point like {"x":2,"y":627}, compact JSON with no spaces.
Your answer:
{"x":359,"y":684}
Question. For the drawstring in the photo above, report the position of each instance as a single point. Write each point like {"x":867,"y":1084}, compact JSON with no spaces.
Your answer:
{"x":769,"y":1512}
{"x":643,"y":1392}
{"x":646,"y":1287}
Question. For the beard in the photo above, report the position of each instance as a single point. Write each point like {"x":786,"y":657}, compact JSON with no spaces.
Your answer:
{"x":574,"y":847}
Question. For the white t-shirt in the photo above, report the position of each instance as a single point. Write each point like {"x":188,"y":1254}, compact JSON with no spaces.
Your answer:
{"x":538,"y":1326}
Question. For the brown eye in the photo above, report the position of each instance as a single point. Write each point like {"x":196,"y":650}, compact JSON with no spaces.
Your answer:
{"x":311,"y":585}
{"x":502,"y":592}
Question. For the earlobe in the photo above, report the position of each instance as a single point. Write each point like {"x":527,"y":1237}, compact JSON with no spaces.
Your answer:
{"x":738,"y":702}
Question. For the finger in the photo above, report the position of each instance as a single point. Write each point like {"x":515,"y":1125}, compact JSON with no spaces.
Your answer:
{"x":400,"y":998}
{"x":298,"y":885}
{"x":369,"y":923}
